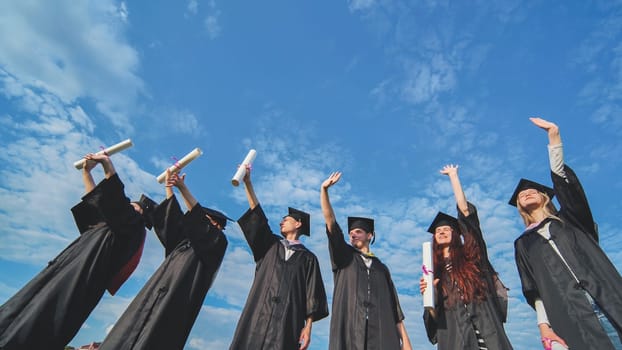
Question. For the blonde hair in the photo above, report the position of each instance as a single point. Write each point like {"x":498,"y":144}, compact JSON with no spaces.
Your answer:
{"x":547,"y":206}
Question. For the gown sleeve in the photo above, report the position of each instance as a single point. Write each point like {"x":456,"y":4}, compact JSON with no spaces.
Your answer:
{"x":397,"y":309}
{"x":115,"y":208}
{"x":341,"y":253}
{"x":317,"y":306}
{"x":573,"y":202}
{"x":430,"y":326}
{"x":208,"y":242}
{"x":260,"y":238}
{"x":525,"y":272}
{"x":473,"y":229}
{"x":167,"y":224}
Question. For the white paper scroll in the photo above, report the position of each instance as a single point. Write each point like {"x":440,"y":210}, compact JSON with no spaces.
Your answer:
{"x":428,"y":275}
{"x":239,"y":175}
{"x":181,"y":163}
{"x":109,"y":151}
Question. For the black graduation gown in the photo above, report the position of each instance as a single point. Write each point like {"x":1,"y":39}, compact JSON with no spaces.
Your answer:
{"x":163,"y":313}
{"x":361,"y":293}
{"x":453,"y":328}
{"x":49,"y":310}
{"x":283,"y":294}
{"x":544,"y":275}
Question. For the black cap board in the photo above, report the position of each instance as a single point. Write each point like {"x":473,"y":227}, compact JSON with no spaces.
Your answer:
{"x":366,"y":224}
{"x":149,"y":206}
{"x":217,"y":216}
{"x":524,"y":184}
{"x":443,"y":219}
{"x":303,"y":218}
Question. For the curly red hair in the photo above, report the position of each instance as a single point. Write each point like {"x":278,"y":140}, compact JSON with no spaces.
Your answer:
{"x":465,"y":261}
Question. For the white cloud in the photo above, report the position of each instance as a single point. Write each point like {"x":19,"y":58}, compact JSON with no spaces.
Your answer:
{"x":358,"y":5}
{"x":212,"y":25}
{"x":425,"y":80}
{"x":193,"y":7}
{"x":212,"y":21}
{"x":86,"y":57}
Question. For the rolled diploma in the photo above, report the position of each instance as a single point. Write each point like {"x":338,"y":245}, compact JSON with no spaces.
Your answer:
{"x":239,"y":175}
{"x":428,"y":275}
{"x":109,"y":151}
{"x":181,"y":163}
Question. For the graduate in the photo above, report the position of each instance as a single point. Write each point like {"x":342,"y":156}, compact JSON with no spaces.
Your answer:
{"x":287,"y":294}
{"x":163,"y":313}
{"x":366,"y":313}
{"x":468,"y":315}
{"x":48,"y":312}
{"x":565,"y":275}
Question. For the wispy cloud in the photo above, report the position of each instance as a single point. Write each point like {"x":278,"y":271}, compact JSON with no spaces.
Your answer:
{"x":212,"y":21}
{"x":86,"y":58}
{"x":193,"y":7}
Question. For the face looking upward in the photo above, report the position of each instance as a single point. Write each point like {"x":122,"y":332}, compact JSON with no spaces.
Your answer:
{"x":442,"y":234}
{"x":289,"y":225}
{"x":359,"y":238}
{"x":530,"y":199}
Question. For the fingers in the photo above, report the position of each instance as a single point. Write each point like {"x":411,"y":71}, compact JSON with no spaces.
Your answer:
{"x":449,"y":168}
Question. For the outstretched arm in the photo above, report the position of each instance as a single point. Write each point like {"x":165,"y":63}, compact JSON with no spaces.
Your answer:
{"x":92,"y":159}
{"x":168,"y":184}
{"x":452,"y":171}
{"x":556,"y":152}
{"x":179,"y":182}
{"x":250,"y":191}
{"x":327,"y":208}
{"x":551,"y":129}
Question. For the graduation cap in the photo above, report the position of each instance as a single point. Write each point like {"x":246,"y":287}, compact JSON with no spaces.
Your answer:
{"x":443,"y":219}
{"x":149,"y":206}
{"x":217,"y":216}
{"x":365,"y":224}
{"x":303,"y":218}
{"x":524,"y":184}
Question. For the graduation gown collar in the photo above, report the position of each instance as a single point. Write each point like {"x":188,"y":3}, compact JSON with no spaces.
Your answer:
{"x":293,"y":245}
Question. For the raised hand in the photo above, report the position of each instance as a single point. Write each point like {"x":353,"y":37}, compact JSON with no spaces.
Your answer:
{"x":247,"y":175}
{"x":331,"y":180}
{"x":174,"y":179}
{"x":551,"y":128}
{"x":450,"y":169}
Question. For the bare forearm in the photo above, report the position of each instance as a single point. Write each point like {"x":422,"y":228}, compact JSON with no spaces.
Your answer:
{"x":188,"y":197}
{"x":109,"y":169}
{"x":250,"y":195}
{"x":459,"y":194}
{"x":89,"y":183}
{"x":169,"y":192}
{"x":327,"y":208}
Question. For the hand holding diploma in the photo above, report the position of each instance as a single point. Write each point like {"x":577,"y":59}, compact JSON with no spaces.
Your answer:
{"x":175,"y":168}
{"x":108,"y":151}
{"x":248,"y":160}
{"x":428,"y":276}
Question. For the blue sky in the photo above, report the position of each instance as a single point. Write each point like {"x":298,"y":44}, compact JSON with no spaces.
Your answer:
{"x":386,"y":91}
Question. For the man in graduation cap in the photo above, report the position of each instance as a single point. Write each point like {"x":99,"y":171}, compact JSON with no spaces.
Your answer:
{"x":565,"y":275}
{"x":164,"y":311}
{"x":50,"y":309}
{"x":366,"y":312}
{"x":288,"y":293}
